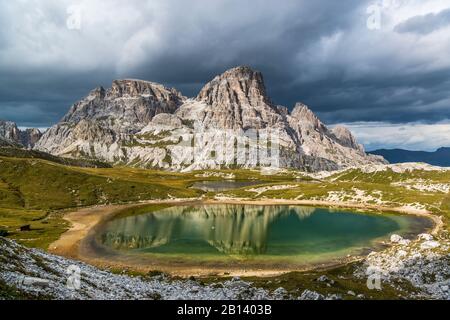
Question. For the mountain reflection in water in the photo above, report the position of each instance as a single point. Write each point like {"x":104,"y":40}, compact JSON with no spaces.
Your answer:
{"x":231,"y":229}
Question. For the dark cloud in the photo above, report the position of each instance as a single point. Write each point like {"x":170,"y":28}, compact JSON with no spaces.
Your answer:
{"x":318,"y":52}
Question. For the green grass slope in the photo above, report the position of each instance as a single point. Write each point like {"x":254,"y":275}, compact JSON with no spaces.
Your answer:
{"x":33,"y":191}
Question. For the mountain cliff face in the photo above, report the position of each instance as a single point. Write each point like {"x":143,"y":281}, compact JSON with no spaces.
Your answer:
{"x":100,"y":125}
{"x":237,"y":100}
{"x":140,"y":123}
{"x":11,"y":135}
{"x":126,"y":107}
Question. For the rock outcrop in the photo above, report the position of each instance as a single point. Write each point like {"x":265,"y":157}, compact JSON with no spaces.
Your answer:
{"x":34,"y":274}
{"x":29,"y":137}
{"x":237,"y":100}
{"x":10,"y":134}
{"x":142,"y":124}
{"x":423,"y":262}
{"x":126,"y":107}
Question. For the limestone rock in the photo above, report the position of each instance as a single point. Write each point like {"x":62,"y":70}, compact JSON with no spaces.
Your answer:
{"x":10,"y":134}
{"x":29,"y":137}
{"x":127,"y":106}
{"x":395,"y":238}
{"x":346,"y":138}
{"x":140,"y":123}
{"x":425,"y":236}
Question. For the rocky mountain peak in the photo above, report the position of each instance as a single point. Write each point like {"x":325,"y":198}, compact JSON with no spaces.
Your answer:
{"x":302,"y":111}
{"x":346,"y":138}
{"x":29,"y":137}
{"x":10,"y":133}
{"x":237,"y":99}
{"x":240,"y":86}
{"x":128,"y":106}
{"x":97,"y":93}
{"x":132,"y":123}
{"x":303,"y":116}
{"x":139,"y":88}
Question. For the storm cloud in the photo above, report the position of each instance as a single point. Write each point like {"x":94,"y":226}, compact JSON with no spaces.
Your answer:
{"x":322,"y":53}
{"x":425,"y":24}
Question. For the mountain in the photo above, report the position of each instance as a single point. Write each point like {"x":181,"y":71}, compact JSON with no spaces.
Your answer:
{"x":143,"y":124}
{"x":10,"y":135}
{"x":440,"y":157}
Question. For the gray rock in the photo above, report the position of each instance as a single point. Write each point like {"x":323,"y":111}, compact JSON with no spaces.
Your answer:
{"x":47,"y":276}
{"x":429,"y":244}
{"x":280,"y":293}
{"x":425,"y":236}
{"x":10,"y":134}
{"x":139,"y":123}
{"x":395,"y":238}
{"x":311,"y":295}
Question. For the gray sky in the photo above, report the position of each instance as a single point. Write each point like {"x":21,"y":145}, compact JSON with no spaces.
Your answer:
{"x":363,"y":63}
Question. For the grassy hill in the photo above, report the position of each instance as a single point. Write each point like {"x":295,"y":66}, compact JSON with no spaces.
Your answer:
{"x":34,"y":191}
{"x":16,"y":152}
{"x":36,"y":188}
{"x":419,"y":189}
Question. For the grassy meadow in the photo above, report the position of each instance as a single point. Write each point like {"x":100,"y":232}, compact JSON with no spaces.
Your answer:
{"x":36,"y":189}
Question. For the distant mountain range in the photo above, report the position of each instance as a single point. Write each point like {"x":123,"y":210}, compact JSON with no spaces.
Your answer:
{"x":139,"y":123}
{"x":440,"y":157}
{"x":11,"y":135}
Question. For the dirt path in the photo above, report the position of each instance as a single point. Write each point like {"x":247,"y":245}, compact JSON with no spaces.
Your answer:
{"x":82,"y":221}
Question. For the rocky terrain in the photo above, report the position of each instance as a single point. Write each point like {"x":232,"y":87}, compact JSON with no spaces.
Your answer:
{"x":30,"y":273}
{"x":11,"y":135}
{"x":144,"y":124}
{"x":425,"y":263}
{"x":35,"y":274}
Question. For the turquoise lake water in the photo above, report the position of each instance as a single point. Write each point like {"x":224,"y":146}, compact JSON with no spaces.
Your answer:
{"x":261,"y":234}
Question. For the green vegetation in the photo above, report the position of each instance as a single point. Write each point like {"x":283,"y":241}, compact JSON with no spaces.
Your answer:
{"x":380,"y":188}
{"x":34,"y":191}
{"x":23,"y":153}
{"x":35,"y":187}
{"x":343,"y":281}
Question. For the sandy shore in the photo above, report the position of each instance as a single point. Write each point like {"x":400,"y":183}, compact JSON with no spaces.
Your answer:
{"x":82,"y":221}
{"x":76,"y":242}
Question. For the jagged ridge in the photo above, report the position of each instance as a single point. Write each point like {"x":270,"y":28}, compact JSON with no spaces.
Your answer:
{"x":131,"y":122}
{"x":11,"y":135}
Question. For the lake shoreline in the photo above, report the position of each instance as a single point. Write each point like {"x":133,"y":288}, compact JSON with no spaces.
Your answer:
{"x":76,"y":243}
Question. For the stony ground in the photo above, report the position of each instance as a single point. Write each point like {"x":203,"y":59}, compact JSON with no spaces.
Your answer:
{"x":31,"y":273}
{"x":425,"y":263}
